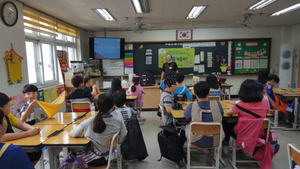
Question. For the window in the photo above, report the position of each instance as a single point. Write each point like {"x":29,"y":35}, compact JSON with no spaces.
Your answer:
{"x":48,"y":62}
{"x":31,"y":61}
{"x":70,"y":39}
{"x":71,"y":54}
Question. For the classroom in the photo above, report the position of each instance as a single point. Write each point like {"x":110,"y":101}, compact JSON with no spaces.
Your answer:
{"x":54,"y":50}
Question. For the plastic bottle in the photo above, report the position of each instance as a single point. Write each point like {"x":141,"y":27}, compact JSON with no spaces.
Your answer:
{"x":289,"y":86}
{"x":93,"y":109}
{"x":294,"y":85}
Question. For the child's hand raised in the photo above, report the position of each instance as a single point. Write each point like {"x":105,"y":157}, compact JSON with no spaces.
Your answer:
{"x":33,"y":104}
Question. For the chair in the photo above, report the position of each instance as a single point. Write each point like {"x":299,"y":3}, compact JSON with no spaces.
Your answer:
{"x":113,"y":143}
{"x":205,"y":128}
{"x":84,"y":106}
{"x":293,"y":153}
{"x":214,"y":98}
{"x":162,"y":111}
{"x":265,"y":125}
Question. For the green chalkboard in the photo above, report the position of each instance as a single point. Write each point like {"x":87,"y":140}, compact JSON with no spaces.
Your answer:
{"x":210,"y":57}
{"x":251,"y":56}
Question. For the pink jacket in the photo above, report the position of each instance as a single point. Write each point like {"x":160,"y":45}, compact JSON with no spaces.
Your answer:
{"x":249,"y":135}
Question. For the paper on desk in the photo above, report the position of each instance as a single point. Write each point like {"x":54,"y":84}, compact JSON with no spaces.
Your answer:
{"x":197,"y":59}
{"x":52,"y":108}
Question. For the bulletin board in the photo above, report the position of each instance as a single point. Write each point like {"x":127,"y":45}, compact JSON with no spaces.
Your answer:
{"x":113,"y":67}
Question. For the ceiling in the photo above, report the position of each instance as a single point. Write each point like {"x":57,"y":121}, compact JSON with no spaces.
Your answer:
{"x":164,"y":14}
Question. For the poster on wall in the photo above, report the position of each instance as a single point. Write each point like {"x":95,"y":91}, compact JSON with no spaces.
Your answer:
{"x":13,"y":66}
{"x":251,"y":56}
{"x":184,"y":57}
{"x":113,"y":67}
{"x":63,"y":62}
{"x":16,"y":104}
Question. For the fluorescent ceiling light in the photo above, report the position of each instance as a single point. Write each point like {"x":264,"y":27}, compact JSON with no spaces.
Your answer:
{"x":195,"y":12}
{"x":104,"y":14}
{"x":261,"y":4}
{"x":141,"y":6}
{"x":286,"y":10}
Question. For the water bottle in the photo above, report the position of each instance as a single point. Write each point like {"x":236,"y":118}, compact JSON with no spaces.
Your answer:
{"x":289,"y":86}
{"x":93,"y":108}
{"x":294,"y":85}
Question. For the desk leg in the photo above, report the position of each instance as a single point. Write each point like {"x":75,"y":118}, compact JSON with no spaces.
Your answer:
{"x":135,"y":104}
{"x":65,"y":152}
{"x":229,"y":94}
{"x":51,"y":158}
{"x":119,"y":156}
{"x":42,"y":161}
{"x":295,"y":116}
{"x":275,"y":123}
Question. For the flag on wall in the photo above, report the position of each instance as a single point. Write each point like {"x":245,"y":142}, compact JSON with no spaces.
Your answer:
{"x":184,"y":35}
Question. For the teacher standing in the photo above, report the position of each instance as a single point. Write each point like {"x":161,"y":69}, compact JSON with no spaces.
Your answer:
{"x":168,"y":67}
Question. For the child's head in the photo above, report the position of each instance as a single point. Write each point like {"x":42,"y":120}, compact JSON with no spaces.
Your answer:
{"x":135,"y":81}
{"x":170,"y":83}
{"x":201,"y":89}
{"x":212,"y":81}
{"x":273,"y":80}
{"x":263,"y":76}
{"x":4,"y":104}
{"x":250,"y":91}
{"x":115,"y":85}
{"x":119,"y":98}
{"x":77,"y":81}
{"x":105,"y":103}
{"x":88,"y":82}
{"x":30,"y":92}
{"x":179,"y":77}
{"x":3,"y":125}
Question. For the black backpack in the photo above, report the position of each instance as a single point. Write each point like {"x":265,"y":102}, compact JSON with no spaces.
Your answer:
{"x":170,"y":144}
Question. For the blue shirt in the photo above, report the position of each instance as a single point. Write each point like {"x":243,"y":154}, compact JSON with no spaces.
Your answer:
{"x":216,"y":92}
{"x":184,"y":92}
{"x":162,"y":85}
{"x":15,"y":157}
{"x":269,"y":90}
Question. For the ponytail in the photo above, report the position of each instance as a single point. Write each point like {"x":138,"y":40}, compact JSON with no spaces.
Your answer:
{"x":98,"y":124}
{"x":133,"y":88}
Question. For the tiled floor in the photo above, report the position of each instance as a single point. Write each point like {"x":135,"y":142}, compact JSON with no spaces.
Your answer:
{"x":150,"y":130}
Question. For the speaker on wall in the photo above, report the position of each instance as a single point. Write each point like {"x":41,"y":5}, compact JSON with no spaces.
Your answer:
{"x":285,"y":66}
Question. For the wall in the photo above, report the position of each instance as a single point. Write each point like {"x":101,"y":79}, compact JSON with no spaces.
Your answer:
{"x":296,"y":46}
{"x":16,"y":36}
{"x":279,"y":35}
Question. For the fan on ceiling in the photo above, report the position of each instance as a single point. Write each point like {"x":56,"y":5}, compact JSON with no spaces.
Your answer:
{"x":139,"y":27}
{"x":247,"y":22}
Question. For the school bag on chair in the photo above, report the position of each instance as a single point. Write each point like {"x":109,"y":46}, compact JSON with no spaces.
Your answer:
{"x":171,"y":144}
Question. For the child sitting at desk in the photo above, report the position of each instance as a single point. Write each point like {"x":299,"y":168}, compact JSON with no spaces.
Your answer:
{"x":137,"y":90}
{"x":99,"y":130}
{"x":13,"y":157}
{"x":79,"y":94}
{"x":209,"y":111}
{"x":271,"y":82}
{"x":121,"y":110}
{"x":180,"y":89}
{"x":116,"y":85}
{"x":90,"y":86}
{"x":215,"y":88}
{"x":12,"y":121}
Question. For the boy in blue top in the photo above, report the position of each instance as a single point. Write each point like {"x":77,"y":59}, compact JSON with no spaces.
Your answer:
{"x":205,"y":111}
{"x":272,"y":81}
{"x":181,"y":90}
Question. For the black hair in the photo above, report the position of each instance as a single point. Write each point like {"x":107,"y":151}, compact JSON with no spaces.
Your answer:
{"x":179,"y":77}
{"x":4,"y":99}
{"x":135,"y":81}
{"x":273,"y":77}
{"x":250,"y":91}
{"x":77,"y":80}
{"x":260,"y":86}
{"x":115,"y":85}
{"x":1,"y":117}
{"x":86,"y":79}
{"x":104,"y":103}
{"x":212,"y":81}
{"x":29,"y":88}
{"x":262,"y":76}
{"x":170,"y":80}
{"x":201,"y":89}
{"x":119,"y":98}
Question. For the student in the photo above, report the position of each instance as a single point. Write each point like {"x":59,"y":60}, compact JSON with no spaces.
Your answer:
{"x":90,"y":86}
{"x":99,"y":130}
{"x":167,"y":100}
{"x":271,"y":82}
{"x":13,"y":157}
{"x":137,"y":90}
{"x":181,"y":90}
{"x":215,"y":89}
{"x":262,"y":76}
{"x":115,"y":86}
{"x":121,"y":110}
{"x":210,"y":111}
{"x":31,"y":112}
{"x":252,"y":100}
{"x":12,"y":121}
{"x":79,"y":94}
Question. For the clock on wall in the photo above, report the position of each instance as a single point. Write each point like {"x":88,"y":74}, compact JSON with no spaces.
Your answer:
{"x":9,"y":13}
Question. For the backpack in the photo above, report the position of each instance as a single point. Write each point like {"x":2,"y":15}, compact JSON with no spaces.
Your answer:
{"x":171,"y":143}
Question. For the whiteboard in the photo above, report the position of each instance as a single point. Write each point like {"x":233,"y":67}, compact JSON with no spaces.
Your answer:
{"x":113,"y":67}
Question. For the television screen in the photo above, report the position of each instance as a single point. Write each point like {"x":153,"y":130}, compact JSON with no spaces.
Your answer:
{"x":106,"y":48}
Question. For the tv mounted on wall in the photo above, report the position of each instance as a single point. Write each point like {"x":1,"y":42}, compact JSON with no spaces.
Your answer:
{"x":106,"y":48}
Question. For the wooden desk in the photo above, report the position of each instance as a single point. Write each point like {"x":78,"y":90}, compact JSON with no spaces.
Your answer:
{"x":87,"y":116}
{"x":224,"y":86}
{"x":61,"y":118}
{"x":33,"y":141}
{"x":223,"y":104}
